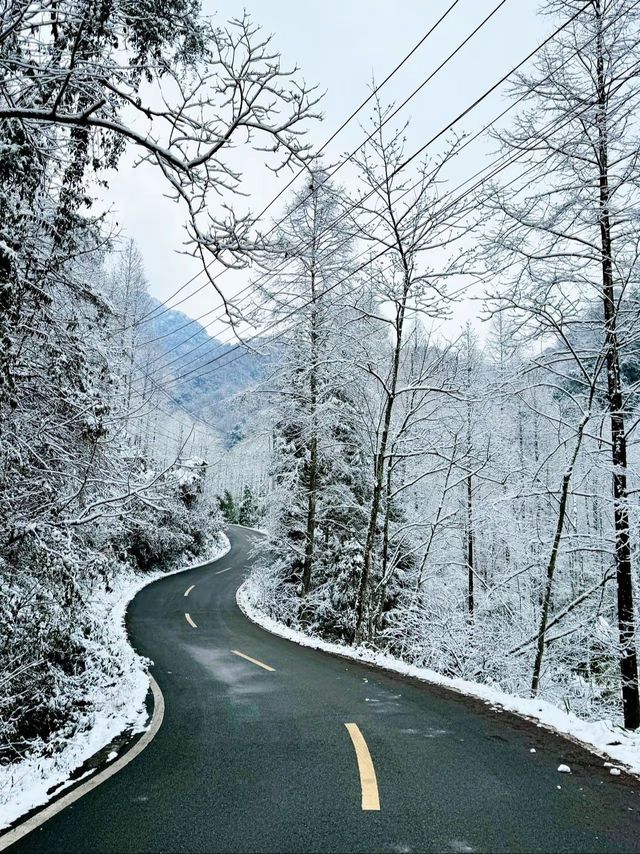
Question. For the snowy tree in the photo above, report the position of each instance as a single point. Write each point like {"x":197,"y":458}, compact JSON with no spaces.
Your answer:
{"x":90,"y":482}
{"x":571,"y":233}
{"x":249,"y":510}
{"x":401,"y":215}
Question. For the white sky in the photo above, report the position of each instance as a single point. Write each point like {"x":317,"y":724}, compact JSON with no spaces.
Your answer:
{"x":341,"y":45}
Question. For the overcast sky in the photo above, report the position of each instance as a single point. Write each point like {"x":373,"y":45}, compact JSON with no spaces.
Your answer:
{"x":341,"y":45}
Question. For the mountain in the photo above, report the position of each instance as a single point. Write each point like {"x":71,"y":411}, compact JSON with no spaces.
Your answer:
{"x":211,"y":374}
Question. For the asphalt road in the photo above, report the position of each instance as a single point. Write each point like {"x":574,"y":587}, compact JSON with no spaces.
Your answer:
{"x":251,"y":760}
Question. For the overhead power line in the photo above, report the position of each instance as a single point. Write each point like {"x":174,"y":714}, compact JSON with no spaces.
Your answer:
{"x":410,"y":159}
{"x":520,"y":154}
{"x":349,"y":157}
{"x":267,"y":277}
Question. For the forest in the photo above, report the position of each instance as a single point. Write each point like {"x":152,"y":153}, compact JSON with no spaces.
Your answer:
{"x":467,"y":503}
{"x":471,"y":505}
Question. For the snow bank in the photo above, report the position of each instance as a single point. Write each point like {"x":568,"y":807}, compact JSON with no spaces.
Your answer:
{"x":114,"y":706}
{"x":263,"y":531}
{"x":602,"y":737}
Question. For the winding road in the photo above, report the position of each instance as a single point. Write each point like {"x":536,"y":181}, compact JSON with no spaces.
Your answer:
{"x":270,"y":747}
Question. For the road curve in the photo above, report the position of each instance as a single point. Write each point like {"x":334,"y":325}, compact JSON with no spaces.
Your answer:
{"x":251,"y":760}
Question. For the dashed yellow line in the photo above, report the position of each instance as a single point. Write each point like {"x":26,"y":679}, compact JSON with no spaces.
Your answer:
{"x":190,"y":621}
{"x":254,"y":660}
{"x":368,"y":781}
{"x":188,"y":590}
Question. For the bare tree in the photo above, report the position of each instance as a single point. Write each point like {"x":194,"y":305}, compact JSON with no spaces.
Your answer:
{"x":405,"y":219}
{"x":572,"y":230}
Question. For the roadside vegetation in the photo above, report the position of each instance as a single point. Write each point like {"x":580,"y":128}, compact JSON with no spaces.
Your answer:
{"x":100,"y":473}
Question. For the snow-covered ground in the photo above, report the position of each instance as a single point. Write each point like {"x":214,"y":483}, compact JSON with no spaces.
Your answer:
{"x":114,"y":706}
{"x":606,"y":738}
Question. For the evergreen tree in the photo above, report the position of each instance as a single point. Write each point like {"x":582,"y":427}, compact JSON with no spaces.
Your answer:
{"x":249,"y":511}
{"x":228,"y":507}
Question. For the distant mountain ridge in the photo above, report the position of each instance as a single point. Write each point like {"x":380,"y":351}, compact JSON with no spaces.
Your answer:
{"x":212,"y":370}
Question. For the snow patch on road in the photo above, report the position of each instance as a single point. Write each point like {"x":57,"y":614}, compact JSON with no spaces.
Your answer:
{"x":606,"y":738}
{"x":114,"y":705}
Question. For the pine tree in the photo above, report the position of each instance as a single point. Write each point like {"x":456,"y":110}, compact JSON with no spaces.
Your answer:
{"x":248,"y":512}
{"x":228,"y":508}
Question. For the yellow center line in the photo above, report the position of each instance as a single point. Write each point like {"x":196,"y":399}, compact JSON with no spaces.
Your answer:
{"x":190,"y":621}
{"x":188,"y":590}
{"x":253,"y":660}
{"x":368,"y":782}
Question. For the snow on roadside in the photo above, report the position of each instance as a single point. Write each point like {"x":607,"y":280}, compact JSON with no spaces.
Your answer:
{"x":604,"y":737}
{"x":113,"y":707}
{"x":263,"y":531}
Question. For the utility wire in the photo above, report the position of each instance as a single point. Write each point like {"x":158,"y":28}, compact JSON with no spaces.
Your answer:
{"x":215,"y":342}
{"x":519,"y":177}
{"x":261,"y":280}
{"x":350,"y":156}
{"x":405,"y":163}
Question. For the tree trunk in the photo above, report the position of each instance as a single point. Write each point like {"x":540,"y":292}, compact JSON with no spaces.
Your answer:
{"x":379,"y":468}
{"x":375,"y":618}
{"x":469,"y":496}
{"x":313,"y":450}
{"x":553,"y":558}
{"x":311,"y":518}
{"x":626,"y":617}
{"x":470,"y":554}
{"x":363,"y":587}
